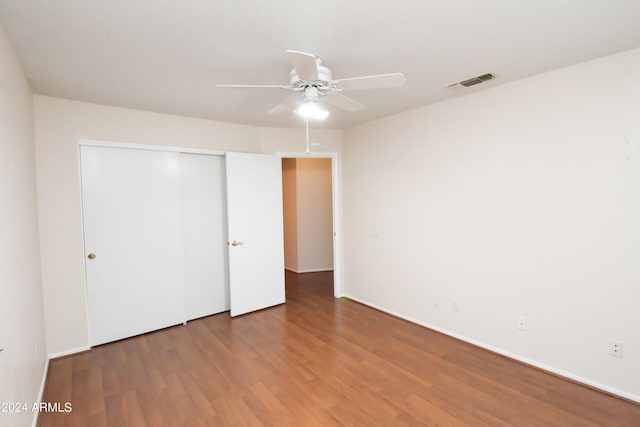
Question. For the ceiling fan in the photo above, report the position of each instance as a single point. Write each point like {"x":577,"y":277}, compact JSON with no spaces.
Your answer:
{"x":312,"y":83}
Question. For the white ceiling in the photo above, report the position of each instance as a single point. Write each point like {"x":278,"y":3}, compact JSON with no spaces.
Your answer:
{"x":167,"y":55}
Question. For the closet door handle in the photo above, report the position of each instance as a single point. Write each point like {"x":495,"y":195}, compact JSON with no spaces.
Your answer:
{"x":91,"y":256}
{"x":236,"y":243}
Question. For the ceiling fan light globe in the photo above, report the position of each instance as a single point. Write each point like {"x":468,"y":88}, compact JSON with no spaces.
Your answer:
{"x":322,"y":115}
{"x":310,"y":109}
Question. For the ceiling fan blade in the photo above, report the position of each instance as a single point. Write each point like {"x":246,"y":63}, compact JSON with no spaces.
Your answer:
{"x":343,"y":102}
{"x":305,"y":64}
{"x":267,"y":86}
{"x":289,"y":104}
{"x":371,"y":82}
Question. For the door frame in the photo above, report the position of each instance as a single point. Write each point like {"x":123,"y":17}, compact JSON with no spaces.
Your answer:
{"x":150,"y":147}
{"x":335,"y":193}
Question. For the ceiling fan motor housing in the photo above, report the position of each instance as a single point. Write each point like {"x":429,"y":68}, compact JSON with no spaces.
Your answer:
{"x":324,"y":78}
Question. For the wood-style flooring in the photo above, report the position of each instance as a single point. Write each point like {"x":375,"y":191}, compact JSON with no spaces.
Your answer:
{"x":314,"y":361}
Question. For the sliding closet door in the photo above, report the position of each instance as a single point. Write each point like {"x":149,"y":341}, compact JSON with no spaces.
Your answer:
{"x":254,"y":212}
{"x":133,"y":241}
{"x":205,"y":234}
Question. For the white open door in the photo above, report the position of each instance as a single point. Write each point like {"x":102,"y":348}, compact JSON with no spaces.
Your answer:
{"x":255,"y":231}
{"x":133,"y":241}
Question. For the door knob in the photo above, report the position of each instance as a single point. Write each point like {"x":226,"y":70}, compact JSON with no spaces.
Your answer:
{"x":236,"y":243}
{"x":91,"y":256}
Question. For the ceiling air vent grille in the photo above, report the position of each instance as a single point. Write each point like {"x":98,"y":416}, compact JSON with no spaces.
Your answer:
{"x":473,"y":81}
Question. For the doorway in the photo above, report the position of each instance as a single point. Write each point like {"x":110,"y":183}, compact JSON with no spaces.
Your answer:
{"x":310,"y":207}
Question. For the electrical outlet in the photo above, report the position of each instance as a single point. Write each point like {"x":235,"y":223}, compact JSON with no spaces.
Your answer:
{"x":454,"y":305}
{"x":615,"y":348}
{"x":522,"y":323}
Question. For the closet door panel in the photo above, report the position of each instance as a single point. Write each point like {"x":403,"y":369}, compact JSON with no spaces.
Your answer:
{"x":205,"y":256}
{"x":132,"y":213}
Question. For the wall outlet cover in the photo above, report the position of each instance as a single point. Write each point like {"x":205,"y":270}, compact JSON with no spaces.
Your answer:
{"x":522,"y":323}
{"x":615,"y":348}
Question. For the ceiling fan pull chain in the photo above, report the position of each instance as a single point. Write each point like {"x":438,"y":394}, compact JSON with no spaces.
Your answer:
{"x":308,"y":150}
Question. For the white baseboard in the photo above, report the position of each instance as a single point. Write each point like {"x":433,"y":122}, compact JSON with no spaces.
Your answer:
{"x":576,"y":378}
{"x":310,"y":270}
{"x":43,"y":383}
{"x":69,"y":352}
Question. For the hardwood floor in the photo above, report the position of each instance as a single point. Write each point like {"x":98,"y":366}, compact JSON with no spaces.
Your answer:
{"x":314,"y":361}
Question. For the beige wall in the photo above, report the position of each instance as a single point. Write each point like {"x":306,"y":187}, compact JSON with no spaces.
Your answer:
{"x":315,"y":225}
{"x":59,"y":124}
{"x":290,"y":214}
{"x":308,"y":214}
{"x":22,"y":339}
{"x":520,"y":200}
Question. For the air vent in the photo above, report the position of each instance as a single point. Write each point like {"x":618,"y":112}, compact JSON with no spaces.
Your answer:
{"x":473,"y":81}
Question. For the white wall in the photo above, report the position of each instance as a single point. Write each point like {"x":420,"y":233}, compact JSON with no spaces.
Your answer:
{"x":59,"y":124}
{"x":523,"y":199}
{"x":315,"y":224}
{"x":21,"y":322}
{"x":294,"y":140}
